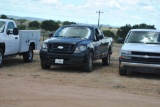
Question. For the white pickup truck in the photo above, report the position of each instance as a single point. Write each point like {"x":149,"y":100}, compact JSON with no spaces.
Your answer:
{"x":140,"y":52}
{"x":17,"y":42}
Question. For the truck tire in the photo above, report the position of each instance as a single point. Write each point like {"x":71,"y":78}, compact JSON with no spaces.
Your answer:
{"x":1,"y":57}
{"x":28,"y":56}
{"x":44,"y":66}
{"x":106,"y":60}
{"x":122,"y":72}
{"x":89,"y":66}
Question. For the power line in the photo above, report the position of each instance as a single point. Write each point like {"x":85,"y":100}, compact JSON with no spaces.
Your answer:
{"x":99,"y":12}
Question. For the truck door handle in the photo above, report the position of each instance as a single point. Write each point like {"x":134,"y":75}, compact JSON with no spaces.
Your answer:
{"x":16,"y":37}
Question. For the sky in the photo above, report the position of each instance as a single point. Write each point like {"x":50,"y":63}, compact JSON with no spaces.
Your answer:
{"x":113,"y":12}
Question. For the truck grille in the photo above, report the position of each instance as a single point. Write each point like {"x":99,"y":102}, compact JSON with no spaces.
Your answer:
{"x":61,"y":48}
{"x":151,"y":57}
{"x":145,"y":53}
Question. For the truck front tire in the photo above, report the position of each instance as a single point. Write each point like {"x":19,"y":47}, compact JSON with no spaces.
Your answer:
{"x":1,"y":57}
{"x":89,"y":66}
{"x":44,"y":66}
{"x":28,"y":56}
{"x":122,"y":72}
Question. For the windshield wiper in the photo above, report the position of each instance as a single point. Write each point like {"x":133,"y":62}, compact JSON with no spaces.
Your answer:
{"x":152,"y":43}
{"x":134,"y":42}
{"x":58,"y":36}
{"x":74,"y":37}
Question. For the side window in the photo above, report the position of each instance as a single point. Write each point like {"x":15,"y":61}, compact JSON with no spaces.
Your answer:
{"x":10,"y":25}
{"x":100,"y":32}
{"x":96,"y":34}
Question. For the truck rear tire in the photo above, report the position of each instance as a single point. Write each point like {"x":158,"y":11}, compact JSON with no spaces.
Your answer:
{"x":1,"y":57}
{"x":106,"y":60}
{"x":28,"y":56}
{"x":44,"y":66}
{"x":89,"y":66}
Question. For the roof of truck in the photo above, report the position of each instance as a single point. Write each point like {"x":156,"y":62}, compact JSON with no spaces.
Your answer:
{"x":6,"y":20}
{"x":150,"y":30}
{"x":74,"y":25}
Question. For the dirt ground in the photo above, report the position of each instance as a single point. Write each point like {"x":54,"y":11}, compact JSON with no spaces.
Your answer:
{"x":27,"y":85}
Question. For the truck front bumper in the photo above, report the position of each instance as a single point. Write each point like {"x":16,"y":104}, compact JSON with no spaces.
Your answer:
{"x":78,"y":59}
{"x":140,"y":67}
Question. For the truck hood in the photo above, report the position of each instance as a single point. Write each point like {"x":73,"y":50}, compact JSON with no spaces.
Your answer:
{"x":67,"y":40}
{"x":155,"y":48}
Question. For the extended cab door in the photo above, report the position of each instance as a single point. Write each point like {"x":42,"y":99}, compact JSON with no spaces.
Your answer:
{"x":12,"y":41}
{"x":97,"y":44}
{"x":103,"y":44}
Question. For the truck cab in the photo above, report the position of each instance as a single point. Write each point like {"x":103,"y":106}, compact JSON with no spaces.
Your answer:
{"x":9,"y":36}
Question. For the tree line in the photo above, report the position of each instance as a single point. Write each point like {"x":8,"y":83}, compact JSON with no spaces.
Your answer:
{"x":51,"y":25}
{"x":47,"y":25}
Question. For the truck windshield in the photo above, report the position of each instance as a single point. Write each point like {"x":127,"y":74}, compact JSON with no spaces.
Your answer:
{"x":2,"y":26}
{"x":146,"y":37}
{"x":73,"y":32}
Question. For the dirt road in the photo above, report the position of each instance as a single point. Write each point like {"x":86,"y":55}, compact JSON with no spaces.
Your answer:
{"x":27,"y":85}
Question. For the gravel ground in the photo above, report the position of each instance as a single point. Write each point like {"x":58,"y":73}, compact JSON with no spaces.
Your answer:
{"x":27,"y":85}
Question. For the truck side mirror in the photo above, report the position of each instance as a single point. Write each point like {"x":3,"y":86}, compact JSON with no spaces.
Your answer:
{"x":120,"y":40}
{"x":15,"y":31}
{"x":99,"y":37}
{"x":8,"y":32}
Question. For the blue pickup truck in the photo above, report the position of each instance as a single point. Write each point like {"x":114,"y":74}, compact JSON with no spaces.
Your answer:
{"x":76,"y":45}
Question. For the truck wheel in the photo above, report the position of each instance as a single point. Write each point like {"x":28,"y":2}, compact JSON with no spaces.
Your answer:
{"x":1,"y":57}
{"x":28,"y":56}
{"x":89,"y":66}
{"x":44,"y":66}
{"x":106,"y":60}
{"x":122,"y":72}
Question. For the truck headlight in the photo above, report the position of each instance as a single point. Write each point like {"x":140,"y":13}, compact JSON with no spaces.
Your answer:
{"x":44,"y":46}
{"x":125,"y":52}
{"x":80,"y":48}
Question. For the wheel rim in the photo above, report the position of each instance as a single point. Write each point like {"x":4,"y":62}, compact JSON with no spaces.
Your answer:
{"x":108,"y":59}
{"x":30,"y":55}
{"x":90,"y":63}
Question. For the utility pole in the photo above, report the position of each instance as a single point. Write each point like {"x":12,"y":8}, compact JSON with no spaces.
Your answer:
{"x":99,"y":12}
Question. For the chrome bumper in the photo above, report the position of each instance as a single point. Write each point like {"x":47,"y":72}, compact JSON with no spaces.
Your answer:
{"x":151,"y":68}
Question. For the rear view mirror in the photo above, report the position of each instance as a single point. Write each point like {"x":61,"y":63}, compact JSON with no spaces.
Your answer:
{"x":100,"y":37}
{"x":120,"y":40}
{"x":15,"y":31}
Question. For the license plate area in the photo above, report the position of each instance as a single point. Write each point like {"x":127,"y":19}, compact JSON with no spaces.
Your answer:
{"x":59,"y":61}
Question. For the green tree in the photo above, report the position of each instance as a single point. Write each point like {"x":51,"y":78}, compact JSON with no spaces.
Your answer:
{"x":34,"y":24}
{"x":21,"y":21}
{"x":108,"y":33}
{"x":143,"y":26}
{"x":68,"y":23}
{"x":122,"y":31}
{"x":21,"y":27}
{"x":4,"y":16}
{"x":49,"y":25}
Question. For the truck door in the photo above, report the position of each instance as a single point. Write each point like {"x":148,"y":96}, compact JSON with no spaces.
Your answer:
{"x":97,"y":44}
{"x":104,"y":44}
{"x":12,"y":41}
